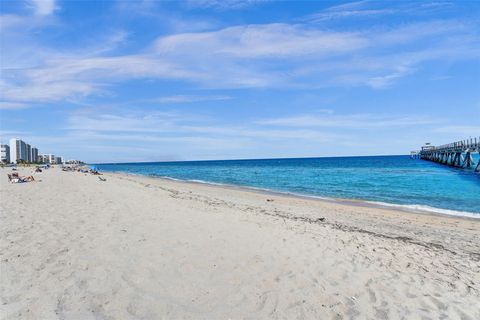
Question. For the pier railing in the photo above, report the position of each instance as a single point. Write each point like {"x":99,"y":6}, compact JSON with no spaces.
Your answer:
{"x":472,"y":143}
{"x":456,"y":154}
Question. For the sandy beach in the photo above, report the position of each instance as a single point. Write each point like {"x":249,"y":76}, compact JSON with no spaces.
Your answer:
{"x":75,"y":247}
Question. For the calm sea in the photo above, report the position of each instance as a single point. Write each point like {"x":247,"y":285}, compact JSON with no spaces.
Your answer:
{"x":390,"y":180}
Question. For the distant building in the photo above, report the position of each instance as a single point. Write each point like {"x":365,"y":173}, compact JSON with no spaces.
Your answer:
{"x":47,"y":158}
{"x":18,"y":150}
{"x":29,"y":152}
{"x":34,"y":155}
{"x":51,"y":159}
{"x":5,"y":153}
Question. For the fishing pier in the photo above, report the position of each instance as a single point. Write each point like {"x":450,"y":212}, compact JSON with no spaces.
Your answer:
{"x":457,"y":154}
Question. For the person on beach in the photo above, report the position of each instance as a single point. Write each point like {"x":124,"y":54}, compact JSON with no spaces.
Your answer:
{"x":15,"y":178}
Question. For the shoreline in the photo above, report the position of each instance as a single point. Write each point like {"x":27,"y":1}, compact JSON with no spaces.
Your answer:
{"x":354,"y":216}
{"x":412,"y":209}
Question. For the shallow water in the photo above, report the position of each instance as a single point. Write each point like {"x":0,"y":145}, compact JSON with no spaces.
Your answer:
{"x":397,"y":180}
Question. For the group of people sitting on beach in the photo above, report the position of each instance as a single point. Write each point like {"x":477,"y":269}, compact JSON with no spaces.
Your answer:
{"x":16,"y":178}
{"x":73,"y":169}
{"x":82,"y":169}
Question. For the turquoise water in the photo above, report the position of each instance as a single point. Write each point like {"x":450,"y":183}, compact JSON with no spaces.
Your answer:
{"x":396,"y":180}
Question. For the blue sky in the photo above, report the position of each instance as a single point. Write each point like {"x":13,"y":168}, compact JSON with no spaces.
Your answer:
{"x":119,"y":81}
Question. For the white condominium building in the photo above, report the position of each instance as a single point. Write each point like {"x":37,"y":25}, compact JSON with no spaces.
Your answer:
{"x":5,"y":153}
{"x":18,"y":150}
{"x":48,"y":158}
{"x":22,"y":151}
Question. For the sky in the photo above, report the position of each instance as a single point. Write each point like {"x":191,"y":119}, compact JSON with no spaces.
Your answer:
{"x":131,"y":81}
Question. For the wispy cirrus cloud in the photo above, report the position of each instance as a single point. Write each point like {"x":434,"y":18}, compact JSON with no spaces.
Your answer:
{"x":6,"y":105}
{"x":250,"y":86}
{"x":270,"y":55}
{"x":209,"y":138}
{"x":43,"y":7}
{"x":170,"y":124}
{"x":349,"y":10}
{"x":386,"y":80}
{"x":352,"y":121}
{"x":460,"y":131}
{"x":377,"y":9}
{"x":189,"y":98}
{"x":290,"y":127}
{"x":223,"y":4}
{"x":273,"y":41}
{"x":62,"y":78}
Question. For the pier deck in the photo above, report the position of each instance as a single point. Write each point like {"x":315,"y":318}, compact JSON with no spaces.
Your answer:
{"x":456,"y":154}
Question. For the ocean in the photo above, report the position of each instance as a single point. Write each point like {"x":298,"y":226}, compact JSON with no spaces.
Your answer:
{"x":412,"y":184}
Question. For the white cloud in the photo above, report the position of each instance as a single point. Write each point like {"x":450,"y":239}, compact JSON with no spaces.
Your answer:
{"x":9,"y":21}
{"x":169,"y":125}
{"x":460,"y":131}
{"x":349,"y":10}
{"x":427,"y":30}
{"x":190,"y":98}
{"x":353,"y":121}
{"x":43,"y":7}
{"x":262,"y":41}
{"x":374,"y":9}
{"x":5,"y":135}
{"x":223,"y":4}
{"x":48,"y":91}
{"x":111,"y":42}
{"x":276,"y":55}
{"x":6,"y":105}
{"x":386,"y":80}
{"x":67,"y":77}
{"x":159,"y":122}
{"x":199,"y":138}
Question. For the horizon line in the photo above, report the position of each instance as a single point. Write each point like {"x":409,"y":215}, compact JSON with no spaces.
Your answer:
{"x":248,"y":159}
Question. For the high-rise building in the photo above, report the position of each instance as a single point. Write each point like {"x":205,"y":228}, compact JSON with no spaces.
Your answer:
{"x":34,"y":155}
{"x":21,"y":151}
{"x":4,"y":153}
{"x":23,"y":147}
{"x":29,"y":152}
{"x":18,"y":150}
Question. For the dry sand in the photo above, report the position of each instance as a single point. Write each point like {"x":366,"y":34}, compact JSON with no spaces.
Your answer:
{"x":74,"y":247}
